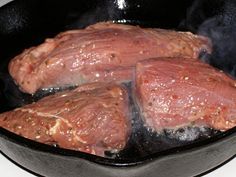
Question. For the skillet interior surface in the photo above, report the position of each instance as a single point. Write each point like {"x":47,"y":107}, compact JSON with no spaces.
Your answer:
{"x":24,"y":23}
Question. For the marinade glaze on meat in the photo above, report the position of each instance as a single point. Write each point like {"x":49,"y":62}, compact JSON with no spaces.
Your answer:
{"x":101,"y":52}
{"x":93,"y":118}
{"x":176,"y":92}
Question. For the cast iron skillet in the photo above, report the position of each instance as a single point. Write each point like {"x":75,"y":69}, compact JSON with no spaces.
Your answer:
{"x":24,"y":23}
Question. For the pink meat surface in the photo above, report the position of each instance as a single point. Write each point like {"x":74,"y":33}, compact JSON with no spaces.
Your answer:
{"x":101,"y":52}
{"x":92,"y":118}
{"x":176,"y":92}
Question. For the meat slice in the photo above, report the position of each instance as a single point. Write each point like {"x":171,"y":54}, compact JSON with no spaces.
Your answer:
{"x":101,"y":52}
{"x":93,"y":118}
{"x":173,"y":93}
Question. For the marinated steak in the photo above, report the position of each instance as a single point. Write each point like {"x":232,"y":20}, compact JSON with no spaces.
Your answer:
{"x":176,"y":92}
{"x":93,"y":118}
{"x":101,"y":52}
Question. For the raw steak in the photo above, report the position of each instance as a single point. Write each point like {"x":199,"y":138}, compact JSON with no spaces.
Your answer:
{"x":101,"y":52}
{"x":176,"y":92}
{"x":93,"y":118}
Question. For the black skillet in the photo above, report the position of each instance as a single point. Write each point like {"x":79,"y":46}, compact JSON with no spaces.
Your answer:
{"x":24,"y":23}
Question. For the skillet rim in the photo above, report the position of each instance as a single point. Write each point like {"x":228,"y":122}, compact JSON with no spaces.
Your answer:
{"x":44,"y":148}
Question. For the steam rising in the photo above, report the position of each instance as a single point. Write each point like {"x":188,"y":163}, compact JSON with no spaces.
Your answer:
{"x":217,"y":20}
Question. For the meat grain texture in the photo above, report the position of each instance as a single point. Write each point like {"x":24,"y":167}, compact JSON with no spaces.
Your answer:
{"x":101,"y":52}
{"x":92,"y":118}
{"x":174,"y":93}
